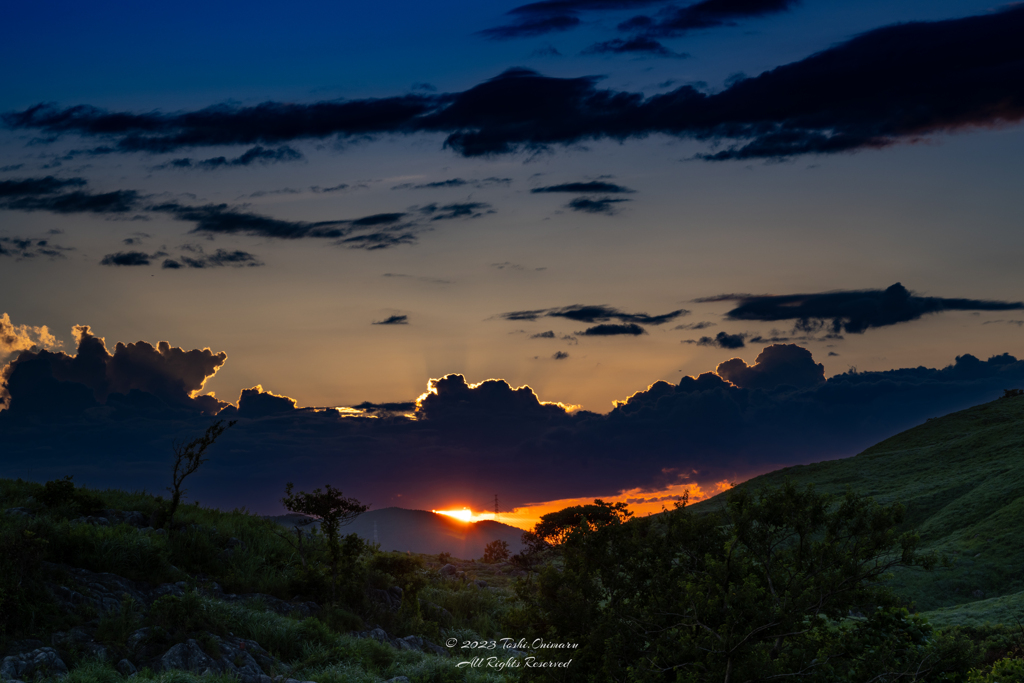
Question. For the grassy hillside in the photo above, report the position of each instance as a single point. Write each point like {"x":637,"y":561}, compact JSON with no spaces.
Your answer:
{"x":961,"y":478}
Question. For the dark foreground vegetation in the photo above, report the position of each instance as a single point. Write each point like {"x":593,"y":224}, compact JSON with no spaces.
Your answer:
{"x":768,"y":583}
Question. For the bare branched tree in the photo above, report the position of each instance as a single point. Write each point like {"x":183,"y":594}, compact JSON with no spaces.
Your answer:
{"x":187,"y":459}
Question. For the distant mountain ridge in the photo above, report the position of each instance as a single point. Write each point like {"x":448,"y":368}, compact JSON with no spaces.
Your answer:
{"x":422,"y":531}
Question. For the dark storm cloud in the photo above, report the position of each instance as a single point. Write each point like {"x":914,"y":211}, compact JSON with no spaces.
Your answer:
{"x":23,"y":248}
{"x":605,"y":205}
{"x":721,"y":340}
{"x":703,"y":325}
{"x":126,"y":258}
{"x":593,"y":314}
{"x":638,"y":45}
{"x":613,"y":330}
{"x":852,"y":311}
{"x":256,"y":154}
{"x":560,"y":355}
{"x":894,"y":84}
{"x":597,"y":186}
{"x":393,"y":320}
{"x":550,"y":334}
{"x":109,"y":419}
{"x":676,"y":21}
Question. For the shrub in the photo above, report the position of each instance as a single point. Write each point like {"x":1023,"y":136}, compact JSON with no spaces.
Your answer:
{"x":495,"y":552}
{"x":61,"y":494}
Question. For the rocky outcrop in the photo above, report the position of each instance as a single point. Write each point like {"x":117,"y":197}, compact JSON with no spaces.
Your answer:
{"x":40,"y":663}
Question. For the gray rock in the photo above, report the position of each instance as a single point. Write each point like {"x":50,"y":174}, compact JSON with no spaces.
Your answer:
{"x":20,"y":512}
{"x":397,"y":679}
{"x":481,"y":583}
{"x":126,"y":668}
{"x":235,"y":543}
{"x":137,"y":637}
{"x":42,"y":662}
{"x":188,"y":656}
{"x":448,"y":570}
{"x":160,"y":532}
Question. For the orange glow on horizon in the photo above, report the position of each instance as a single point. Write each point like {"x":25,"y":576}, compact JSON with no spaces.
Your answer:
{"x":641,"y":503}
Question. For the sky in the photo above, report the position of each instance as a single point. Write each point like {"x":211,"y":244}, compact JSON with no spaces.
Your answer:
{"x":431,"y":253}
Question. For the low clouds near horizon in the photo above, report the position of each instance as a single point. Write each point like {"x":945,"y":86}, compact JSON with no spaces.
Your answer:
{"x":114,"y":415}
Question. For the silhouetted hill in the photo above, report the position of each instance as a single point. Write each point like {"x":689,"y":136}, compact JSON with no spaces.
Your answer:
{"x":961,"y":478}
{"x":421,"y":531}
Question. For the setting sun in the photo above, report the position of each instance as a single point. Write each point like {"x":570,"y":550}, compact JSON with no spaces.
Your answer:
{"x":463,"y":515}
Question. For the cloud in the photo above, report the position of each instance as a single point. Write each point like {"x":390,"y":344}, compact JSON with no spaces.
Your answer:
{"x":611,"y":330}
{"x":23,"y":248}
{"x":777,"y":365}
{"x":703,"y":325}
{"x":851,"y":311}
{"x":515,"y":266}
{"x":578,"y":188}
{"x":30,"y":187}
{"x":450,"y":211}
{"x":393,"y":320}
{"x":548,"y":16}
{"x":722,"y":340}
{"x":126,"y":258}
{"x":109,"y":419}
{"x":676,"y":21}
{"x":894,"y":84}
{"x":395,"y":407}
{"x":158,"y":379}
{"x":453,"y":182}
{"x":550,"y":334}
{"x":529,"y":26}
{"x":560,"y":355}
{"x":539,"y":18}
{"x":591,"y":314}
{"x":218,"y":259}
{"x":605,"y":205}
{"x":253,"y":155}
{"x":420,"y":278}
{"x":256,"y":403}
{"x":637,"y":45}
{"x":17,"y":338}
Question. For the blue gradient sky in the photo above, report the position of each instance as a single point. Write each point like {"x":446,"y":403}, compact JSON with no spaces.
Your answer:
{"x":939,"y":212}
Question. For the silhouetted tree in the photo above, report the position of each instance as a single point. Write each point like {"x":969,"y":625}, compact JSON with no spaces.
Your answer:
{"x":187,"y":459}
{"x":557,"y":527}
{"x":761,"y":591}
{"x":333,"y":511}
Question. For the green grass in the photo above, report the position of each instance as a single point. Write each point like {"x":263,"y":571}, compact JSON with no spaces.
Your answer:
{"x":961,"y":478}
